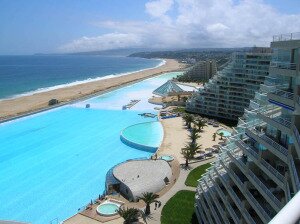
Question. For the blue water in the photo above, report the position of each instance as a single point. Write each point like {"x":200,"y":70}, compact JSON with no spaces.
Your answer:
{"x":23,"y":74}
{"x":225,"y":132}
{"x":148,"y":134}
{"x":55,"y":162}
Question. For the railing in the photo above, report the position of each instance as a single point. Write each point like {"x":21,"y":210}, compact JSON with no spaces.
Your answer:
{"x":286,"y":37}
{"x":238,"y":202}
{"x":221,"y":210}
{"x":282,"y":121}
{"x":277,"y":146}
{"x":266,"y":190}
{"x":264,"y":214}
{"x":297,"y":135}
{"x":269,"y":167}
{"x":268,"y":140}
{"x":284,"y":94}
{"x":295,"y":174}
{"x":283,"y":65}
{"x":228,"y":207}
{"x":216,"y":217}
{"x":207,"y":212}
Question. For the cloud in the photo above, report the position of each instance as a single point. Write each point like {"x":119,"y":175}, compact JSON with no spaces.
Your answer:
{"x":158,"y":8}
{"x":103,"y":42}
{"x":194,"y":24}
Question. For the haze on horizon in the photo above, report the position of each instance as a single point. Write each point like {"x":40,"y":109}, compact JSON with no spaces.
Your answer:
{"x":28,"y":27}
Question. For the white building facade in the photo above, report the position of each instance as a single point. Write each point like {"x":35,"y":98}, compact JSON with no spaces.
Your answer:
{"x":257,"y":172}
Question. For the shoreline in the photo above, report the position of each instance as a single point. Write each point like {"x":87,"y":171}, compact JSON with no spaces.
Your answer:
{"x":11,"y":109}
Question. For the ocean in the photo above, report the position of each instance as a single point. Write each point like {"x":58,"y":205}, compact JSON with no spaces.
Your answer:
{"x":25,"y":75}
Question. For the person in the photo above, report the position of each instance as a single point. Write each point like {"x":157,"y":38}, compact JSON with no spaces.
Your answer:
{"x":155,"y":205}
{"x":159,"y":204}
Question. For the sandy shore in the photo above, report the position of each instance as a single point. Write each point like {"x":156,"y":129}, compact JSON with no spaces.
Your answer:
{"x":19,"y":106}
{"x":176,"y":137}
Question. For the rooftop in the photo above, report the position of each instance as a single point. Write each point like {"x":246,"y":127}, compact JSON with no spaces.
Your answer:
{"x":166,"y":88}
{"x":142,"y":176}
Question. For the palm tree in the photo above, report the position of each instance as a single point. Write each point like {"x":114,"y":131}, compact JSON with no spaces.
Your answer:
{"x":214,"y":136}
{"x":221,"y":135}
{"x":200,"y":124}
{"x":189,"y":152}
{"x":131,"y":215}
{"x":188,"y":118}
{"x":194,"y":135}
{"x":149,"y":198}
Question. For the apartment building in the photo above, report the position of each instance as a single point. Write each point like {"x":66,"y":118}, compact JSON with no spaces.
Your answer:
{"x":228,"y":93}
{"x":257,"y":172}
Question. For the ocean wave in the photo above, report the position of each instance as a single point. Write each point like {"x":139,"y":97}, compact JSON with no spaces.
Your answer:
{"x":46,"y":89}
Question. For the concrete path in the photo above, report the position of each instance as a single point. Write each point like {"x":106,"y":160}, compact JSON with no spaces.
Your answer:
{"x":179,"y":185}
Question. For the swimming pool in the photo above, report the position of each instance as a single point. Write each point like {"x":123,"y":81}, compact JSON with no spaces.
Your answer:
{"x":144,"y":136}
{"x":108,"y":208}
{"x":225,"y":132}
{"x":167,"y":158}
{"x":55,"y":162}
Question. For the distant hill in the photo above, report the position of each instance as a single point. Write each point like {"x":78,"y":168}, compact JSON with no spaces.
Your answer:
{"x":114,"y":52}
{"x":197,"y":53}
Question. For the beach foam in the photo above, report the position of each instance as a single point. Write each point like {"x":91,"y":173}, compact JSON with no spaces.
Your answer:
{"x":46,"y":89}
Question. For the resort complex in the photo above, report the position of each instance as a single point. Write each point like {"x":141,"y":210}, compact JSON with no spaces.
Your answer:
{"x":227,"y":94}
{"x":257,"y":172}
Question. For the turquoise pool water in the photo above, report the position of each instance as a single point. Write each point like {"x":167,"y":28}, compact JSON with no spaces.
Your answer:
{"x":225,"y":132}
{"x":108,"y":208}
{"x":167,"y":158}
{"x":144,"y":134}
{"x":55,"y":162}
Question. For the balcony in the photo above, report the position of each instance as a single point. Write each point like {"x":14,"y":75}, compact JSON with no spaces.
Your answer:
{"x":212,"y":209}
{"x":265,"y":217}
{"x":265,"y":166}
{"x":294,"y":173}
{"x":265,"y":192}
{"x":276,"y":121}
{"x":221,"y":209}
{"x":263,"y":189}
{"x":277,"y":149}
{"x":236,"y":199}
{"x":297,"y":139}
{"x":228,"y":205}
{"x":201,"y":209}
{"x":283,"y":68}
{"x":282,"y":98}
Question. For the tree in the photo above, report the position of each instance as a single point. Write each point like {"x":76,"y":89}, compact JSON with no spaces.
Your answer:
{"x":189,"y":152}
{"x":221,"y":135}
{"x":194,"y":135}
{"x":214,"y":136}
{"x":188,"y":118}
{"x":131,"y":215}
{"x":200,"y":124}
{"x":149,"y":198}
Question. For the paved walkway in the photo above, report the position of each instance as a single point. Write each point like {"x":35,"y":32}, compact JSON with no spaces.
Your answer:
{"x":179,"y":185}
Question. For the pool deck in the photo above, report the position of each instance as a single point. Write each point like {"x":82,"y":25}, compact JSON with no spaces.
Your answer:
{"x":175,"y":137}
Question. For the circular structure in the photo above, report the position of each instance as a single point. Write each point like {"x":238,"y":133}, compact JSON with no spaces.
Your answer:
{"x":139,"y":176}
{"x":167,"y":158}
{"x":144,"y":136}
{"x":108,"y":208}
{"x":225,"y":132}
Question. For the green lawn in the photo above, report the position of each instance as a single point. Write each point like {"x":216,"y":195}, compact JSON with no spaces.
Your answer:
{"x":180,"y":209}
{"x":195,"y":175}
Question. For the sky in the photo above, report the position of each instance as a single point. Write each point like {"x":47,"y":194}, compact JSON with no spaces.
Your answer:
{"x":63,"y":26}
